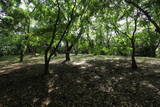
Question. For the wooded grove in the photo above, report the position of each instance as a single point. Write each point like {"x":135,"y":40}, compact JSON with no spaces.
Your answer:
{"x":89,"y":53}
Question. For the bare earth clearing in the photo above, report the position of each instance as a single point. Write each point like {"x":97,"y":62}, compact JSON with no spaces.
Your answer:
{"x":86,"y":81}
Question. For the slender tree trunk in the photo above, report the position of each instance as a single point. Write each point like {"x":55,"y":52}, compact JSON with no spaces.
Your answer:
{"x":21,"y":55}
{"x":22,"y":51}
{"x":46,"y":65}
{"x":76,"y":52}
{"x":67,"y":52}
{"x":55,"y":54}
{"x":34,"y":51}
{"x":152,"y":51}
{"x":134,"y":64}
{"x":46,"y":69}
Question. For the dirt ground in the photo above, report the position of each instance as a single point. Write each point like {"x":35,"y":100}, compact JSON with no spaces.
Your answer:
{"x":86,"y":81}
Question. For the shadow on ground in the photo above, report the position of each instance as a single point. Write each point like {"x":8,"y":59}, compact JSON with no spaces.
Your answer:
{"x":92,"y":83}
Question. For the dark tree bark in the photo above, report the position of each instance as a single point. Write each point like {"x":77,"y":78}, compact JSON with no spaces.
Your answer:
{"x":21,"y":55}
{"x":134,"y":64}
{"x":46,"y":65}
{"x":68,"y":56}
{"x":67,"y":51}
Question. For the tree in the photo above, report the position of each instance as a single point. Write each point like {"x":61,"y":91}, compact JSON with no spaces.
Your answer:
{"x":69,"y":47}
{"x":18,"y":21}
{"x":64,"y":15}
{"x":146,"y":13}
{"x":133,"y":14}
{"x":134,"y":65}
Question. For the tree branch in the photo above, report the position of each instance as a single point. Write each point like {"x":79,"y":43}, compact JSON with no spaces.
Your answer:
{"x":65,"y":31}
{"x":145,"y":13}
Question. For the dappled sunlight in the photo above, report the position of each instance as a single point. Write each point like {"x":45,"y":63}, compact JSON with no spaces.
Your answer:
{"x":15,"y":67}
{"x":149,"y":85}
{"x":97,"y":77}
{"x":157,"y":71}
{"x":46,"y":102}
{"x":78,"y":81}
{"x":50,"y":90}
{"x":79,"y":63}
{"x":10,"y":68}
{"x":35,"y":100}
{"x":114,"y":58}
{"x":158,"y":92}
{"x":83,"y":64}
{"x":79,"y":53}
{"x":51,"y":85}
{"x":106,"y":88}
{"x":83,"y":67}
{"x":82,"y":80}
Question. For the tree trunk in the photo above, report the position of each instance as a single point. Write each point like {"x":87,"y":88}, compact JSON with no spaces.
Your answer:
{"x":46,"y":69}
{"x":46,"y":65}
{"x":67,"y":56}
{"x":134,"y":64}
{"x":76,"y":49}
{"x":21,"y":55}
{"x":55,"y":54}
{"x":22,"y":51}
{"x":76,"y":52}
{"x":34,"y":51}
{"x":67,"y":51}
{"x":153,"y":52}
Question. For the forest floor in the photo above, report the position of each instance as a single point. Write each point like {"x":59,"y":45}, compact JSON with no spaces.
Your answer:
{"x":85,"y":81}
